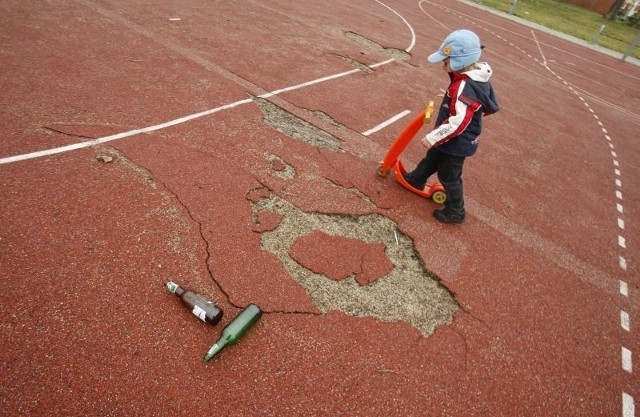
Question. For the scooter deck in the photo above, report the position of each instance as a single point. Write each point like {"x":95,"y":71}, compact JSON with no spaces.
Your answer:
{"x":427,"y":192}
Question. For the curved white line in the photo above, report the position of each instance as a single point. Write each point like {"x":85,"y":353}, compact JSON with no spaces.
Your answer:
{"x":413,"y":33}
{"x":105,"y":139}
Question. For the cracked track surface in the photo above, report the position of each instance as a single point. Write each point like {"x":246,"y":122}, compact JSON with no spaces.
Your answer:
{"x":494,"y":318}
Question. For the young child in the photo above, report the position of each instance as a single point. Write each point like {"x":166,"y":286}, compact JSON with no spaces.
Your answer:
{"x":459,"y":123}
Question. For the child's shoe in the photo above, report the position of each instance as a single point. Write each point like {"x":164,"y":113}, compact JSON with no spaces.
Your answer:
{"x":445,"y":216}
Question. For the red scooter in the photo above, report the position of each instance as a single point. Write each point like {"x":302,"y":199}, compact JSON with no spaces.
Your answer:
{"x":434,"y":190}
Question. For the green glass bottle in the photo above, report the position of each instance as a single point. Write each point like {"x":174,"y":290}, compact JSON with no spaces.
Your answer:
{"x":235,"y":330}
{"x":202,"y":308}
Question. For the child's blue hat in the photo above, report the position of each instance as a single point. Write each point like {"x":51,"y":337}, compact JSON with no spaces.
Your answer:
{"x":461,"y":46}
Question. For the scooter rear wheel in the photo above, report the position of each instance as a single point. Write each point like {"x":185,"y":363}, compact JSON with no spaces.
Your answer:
{"x":439,"y":197}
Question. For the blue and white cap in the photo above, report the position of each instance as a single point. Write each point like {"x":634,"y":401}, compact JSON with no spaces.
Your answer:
{"x":462,"y":47}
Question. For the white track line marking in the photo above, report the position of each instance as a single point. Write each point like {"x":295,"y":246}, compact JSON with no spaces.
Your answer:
{"x":626,"y":360}
{"x":431,"y":17}
{"x":622,"y":242}
{"x":386,"y":123}
{"x":413,"y":33}
{"x":623,"y":263}
{"x":117,"y":136}
{"x":624,"y":289}
{"x":628,"y":408}
{"x":625,"y":323}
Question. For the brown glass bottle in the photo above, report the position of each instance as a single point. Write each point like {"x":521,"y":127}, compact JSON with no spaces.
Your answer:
{"x":202,"y":308}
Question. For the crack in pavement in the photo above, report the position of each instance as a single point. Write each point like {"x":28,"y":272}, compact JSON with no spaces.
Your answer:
{"x":169,"y":196}
{"x":356,"y":64}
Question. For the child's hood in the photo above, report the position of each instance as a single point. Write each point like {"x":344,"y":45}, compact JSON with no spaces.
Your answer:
{"x":481,"y":87}
{"x":481,"y":72}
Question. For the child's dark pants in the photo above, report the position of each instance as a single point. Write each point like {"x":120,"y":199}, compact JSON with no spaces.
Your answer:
{"x":449,"y":169}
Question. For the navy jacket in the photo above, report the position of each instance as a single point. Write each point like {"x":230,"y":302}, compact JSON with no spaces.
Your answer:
{"x":459,"y":122}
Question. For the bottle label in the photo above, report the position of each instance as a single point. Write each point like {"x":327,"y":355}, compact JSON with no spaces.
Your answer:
{"x":199,"y":313}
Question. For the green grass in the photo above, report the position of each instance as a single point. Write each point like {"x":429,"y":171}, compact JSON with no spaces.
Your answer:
{"x":573,"y":20}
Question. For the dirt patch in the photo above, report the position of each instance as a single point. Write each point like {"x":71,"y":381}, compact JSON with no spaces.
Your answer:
{"x":397,"y":54}
{"x":295,"y":127}
{"x":280,"y":167}
{"x":408,"y":293}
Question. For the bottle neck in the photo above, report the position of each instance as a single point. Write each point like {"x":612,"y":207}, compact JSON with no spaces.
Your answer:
{"x":174,"y":288}
{"x":217,"y":347}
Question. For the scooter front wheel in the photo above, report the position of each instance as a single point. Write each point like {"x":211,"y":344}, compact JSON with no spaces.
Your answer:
{"x":380,"y":171}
